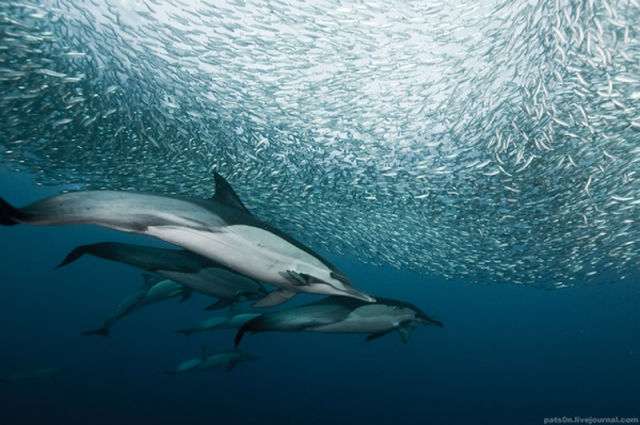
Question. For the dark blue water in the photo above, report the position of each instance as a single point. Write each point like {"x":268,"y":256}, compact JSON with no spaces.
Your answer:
{"x":507,"y":354}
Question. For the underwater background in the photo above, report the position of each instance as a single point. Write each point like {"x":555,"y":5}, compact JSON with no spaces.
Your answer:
{"x":477,"y":159}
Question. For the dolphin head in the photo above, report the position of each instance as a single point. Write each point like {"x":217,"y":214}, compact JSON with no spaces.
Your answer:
{"x":332,"y":284}
{"x":409,"y":315}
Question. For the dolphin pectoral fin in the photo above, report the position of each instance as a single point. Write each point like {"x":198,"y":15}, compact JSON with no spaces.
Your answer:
{"x":102,"y":331}
{"x":221,"y":303}
{"x":72,"y":256}
{"x":186,"y":294}
{"x":404,"y":333}
{"x":376,"y":335}
{"x":274,"y":298}
{"x":294,"y":277}
{"x":150,"y":280}
{"x":298,"y":279}
{"x":229,"y":367}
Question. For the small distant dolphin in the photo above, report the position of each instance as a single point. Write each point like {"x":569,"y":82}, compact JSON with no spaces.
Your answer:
{"x":220,"y":228}
{"x":230,"y":322}
{"x":223,"y":360}
{"x":191,"y":270}
{"x":153,"y":291}
{"x":342,"y":315}
{"x":45,"y":373}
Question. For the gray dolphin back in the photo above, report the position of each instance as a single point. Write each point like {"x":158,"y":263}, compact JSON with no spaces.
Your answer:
{"x":143,"y":257}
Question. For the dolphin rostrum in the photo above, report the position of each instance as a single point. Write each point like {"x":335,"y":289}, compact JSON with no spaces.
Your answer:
{"x":342,"y":315}
{"x":223,"y":360}
{"x":154,"y":290}
{"x":220,"y":228}
{"x":185,"y":267}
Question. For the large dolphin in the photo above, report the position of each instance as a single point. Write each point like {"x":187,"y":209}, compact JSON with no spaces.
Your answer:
{"x":342,"y":315}
{"x":223,"y":360}
{"x":234,"y":321}
{"x":153,"y":291}
{"x":220,"y":228}
{"x":187,"y":268}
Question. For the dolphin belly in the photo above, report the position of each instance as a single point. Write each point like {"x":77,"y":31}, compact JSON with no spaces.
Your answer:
{"x":369,"y":318}
{"x":357,"y":325}
{"x":253,"y":252}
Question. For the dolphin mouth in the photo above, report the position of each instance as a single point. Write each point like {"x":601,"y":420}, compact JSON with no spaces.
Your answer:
{"x":433,"y":322}
{"x":361,"y":296}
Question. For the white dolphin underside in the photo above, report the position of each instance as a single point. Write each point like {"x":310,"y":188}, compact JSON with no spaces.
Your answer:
{"x":251,"y":251}
{"x":366,"y":319}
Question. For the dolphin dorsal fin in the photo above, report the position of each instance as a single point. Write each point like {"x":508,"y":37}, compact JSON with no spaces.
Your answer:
{"x":226,"y":195}
{"x":150,"y":280}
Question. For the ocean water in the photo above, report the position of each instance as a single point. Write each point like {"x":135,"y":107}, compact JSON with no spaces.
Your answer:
{"x":477,"y":159}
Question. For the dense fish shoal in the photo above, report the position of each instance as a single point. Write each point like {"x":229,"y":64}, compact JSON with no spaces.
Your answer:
{"x":494,"y":140}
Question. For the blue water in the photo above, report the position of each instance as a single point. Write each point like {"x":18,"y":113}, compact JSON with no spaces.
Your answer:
{"x":506,"y":355}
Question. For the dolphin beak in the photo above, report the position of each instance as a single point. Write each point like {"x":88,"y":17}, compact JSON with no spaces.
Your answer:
{"x":429,"y":321}
{"x":360,"y":295}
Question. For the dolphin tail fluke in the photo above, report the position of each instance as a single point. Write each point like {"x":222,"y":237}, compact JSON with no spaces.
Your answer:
{"x":253,"y":325}
{"x":376,"y":335}
{"x":10,"y":215}
{"x":186,"y":332}
{"x":102,"y":331}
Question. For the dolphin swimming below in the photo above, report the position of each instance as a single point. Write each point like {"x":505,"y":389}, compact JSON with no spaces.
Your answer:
{"x":41,"y":374}
{"x":220,"y":228}
{"x":153,"y":291}
{"x":187,"y":268}
{"x":342,"y":315}
{"x":223,"y":360}
{"x":220,"y":322}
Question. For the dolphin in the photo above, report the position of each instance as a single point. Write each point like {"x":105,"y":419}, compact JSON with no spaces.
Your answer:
{"x":230,"y":322}
{"x":220,"y":228}
{"x":187,"y":268}
{"x":45,"y":373}
{"x":223,"y":360}
{"x":343,"y":315}
{"x":154,"y":290}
